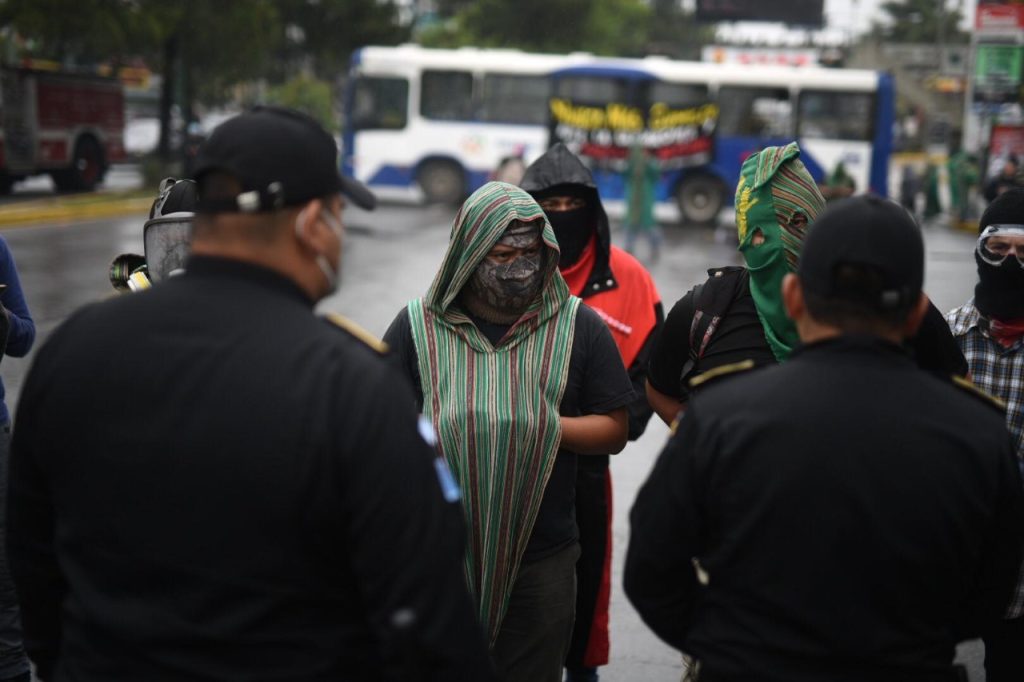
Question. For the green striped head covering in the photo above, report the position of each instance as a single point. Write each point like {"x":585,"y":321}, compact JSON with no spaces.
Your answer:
{"x":774,"y":191}
{"x":478,"y":226}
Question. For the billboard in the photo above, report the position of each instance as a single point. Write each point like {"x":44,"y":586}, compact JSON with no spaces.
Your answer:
{"x":997,"y":73}
{"x":772,"y":56}
{"x":999,"y":18}
{"x":796,"y":12}
{"x":1006,"y":140}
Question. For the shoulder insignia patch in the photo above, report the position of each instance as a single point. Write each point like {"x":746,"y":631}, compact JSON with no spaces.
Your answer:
{"x":969,"y":386}
{"x":354,"y":330}
{"x":717,"y":372}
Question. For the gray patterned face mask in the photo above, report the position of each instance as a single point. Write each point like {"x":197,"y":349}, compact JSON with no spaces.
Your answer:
{"x":502,"y":291}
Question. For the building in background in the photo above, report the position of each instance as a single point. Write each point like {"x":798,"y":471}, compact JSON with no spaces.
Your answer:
{"x":993,"y":118}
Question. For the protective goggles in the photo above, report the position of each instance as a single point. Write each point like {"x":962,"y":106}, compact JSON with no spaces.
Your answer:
{"x":166,"y":241}
{"x":998,"y":242}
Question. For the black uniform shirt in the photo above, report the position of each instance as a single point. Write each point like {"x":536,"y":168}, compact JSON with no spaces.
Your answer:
{"x":209,"y":482}
{"x":597,"y":384}
{"x":856,"y":518}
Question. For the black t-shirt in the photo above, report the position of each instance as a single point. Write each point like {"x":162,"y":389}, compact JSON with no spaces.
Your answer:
{"x":740,"y":336}
{"x":597,"y":384}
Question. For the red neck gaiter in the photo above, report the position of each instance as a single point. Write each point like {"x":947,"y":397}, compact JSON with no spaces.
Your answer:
{"x":576,"y":275}
{"x":1006,"y":332}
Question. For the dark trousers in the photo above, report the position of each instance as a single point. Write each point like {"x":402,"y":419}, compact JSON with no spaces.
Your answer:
{"x":13,"y":661}
{"x":593,"y":507}
{"x":1004,"y":651}
{"x":534,"y":635}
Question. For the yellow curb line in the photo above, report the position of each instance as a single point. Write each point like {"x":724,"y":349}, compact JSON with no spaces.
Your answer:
{"x":28,"y":215}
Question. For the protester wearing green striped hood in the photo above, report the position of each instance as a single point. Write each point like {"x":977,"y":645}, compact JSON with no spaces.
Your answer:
{"x":776,"y":201}
{"x":517,"y":379}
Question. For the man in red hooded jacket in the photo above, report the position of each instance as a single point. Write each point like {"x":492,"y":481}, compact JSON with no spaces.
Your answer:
{"x":622,"y":292}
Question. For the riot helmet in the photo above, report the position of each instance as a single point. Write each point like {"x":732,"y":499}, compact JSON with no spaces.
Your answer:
{"x":168,"y":232}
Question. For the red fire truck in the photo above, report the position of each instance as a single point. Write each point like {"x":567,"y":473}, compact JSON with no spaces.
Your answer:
{"x":68,"y":125}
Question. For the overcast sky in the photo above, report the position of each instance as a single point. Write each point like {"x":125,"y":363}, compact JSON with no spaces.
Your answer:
{"x":843,"y":19}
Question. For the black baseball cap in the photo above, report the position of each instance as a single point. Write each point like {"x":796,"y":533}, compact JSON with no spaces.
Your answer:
{"x":869,"y":233}
{"x":281,"y":157}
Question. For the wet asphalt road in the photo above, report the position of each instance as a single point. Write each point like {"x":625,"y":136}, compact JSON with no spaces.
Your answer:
{"x":391,"y":256}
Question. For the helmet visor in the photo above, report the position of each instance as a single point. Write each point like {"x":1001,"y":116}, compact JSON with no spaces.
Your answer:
{"x":167,"y":242}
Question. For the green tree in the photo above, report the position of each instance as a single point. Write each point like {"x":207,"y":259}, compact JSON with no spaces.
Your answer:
{"x":921,"y":21}
{"x":78,"y":32}
{"x":613,"y":27}
{"x":307,"y":94}
{"x":204,"y":48}
{"x":201,"y":48}
{"x":329,"y":30}
{"x":675,"y":33}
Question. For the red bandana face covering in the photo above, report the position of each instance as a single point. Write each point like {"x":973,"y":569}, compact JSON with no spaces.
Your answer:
{"x":1006,"y":332}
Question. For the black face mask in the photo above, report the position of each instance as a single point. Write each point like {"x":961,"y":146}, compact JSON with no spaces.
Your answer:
{"x":1000,"y":289}
{"x":573,"y":230}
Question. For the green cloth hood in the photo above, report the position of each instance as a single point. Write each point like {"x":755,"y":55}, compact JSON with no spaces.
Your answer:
{"x":774,"y":187}
{"x":477,"y":227}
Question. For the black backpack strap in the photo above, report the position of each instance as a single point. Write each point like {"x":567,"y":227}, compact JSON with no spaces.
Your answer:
{"x":712,"y":301}
{"x":699,"y":325}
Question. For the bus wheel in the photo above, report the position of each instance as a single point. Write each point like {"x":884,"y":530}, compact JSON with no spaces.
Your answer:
{"x":700,"y":198}
{"x":443,"y":182}
{"x":86,"y":170}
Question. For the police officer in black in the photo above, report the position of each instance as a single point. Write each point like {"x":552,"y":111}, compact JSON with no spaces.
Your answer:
{"x":843,"y":516}
{"x":211,"y":483}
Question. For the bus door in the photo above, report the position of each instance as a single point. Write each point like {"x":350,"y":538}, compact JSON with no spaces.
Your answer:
{"x":750,"y":119}
{"x":682,"y":123}
{"x":840,"y":141}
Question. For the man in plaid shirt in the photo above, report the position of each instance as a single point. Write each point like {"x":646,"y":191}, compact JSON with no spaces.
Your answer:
{"x":990,"y":330}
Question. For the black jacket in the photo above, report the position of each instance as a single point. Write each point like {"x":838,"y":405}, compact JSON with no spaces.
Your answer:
{"x":210,"y":483}
{"x":856,"y":518}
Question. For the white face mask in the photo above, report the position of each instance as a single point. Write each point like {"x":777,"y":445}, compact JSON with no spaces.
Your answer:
{"x":331,"y":274}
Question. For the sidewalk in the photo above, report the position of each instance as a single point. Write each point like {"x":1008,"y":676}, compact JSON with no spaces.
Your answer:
{"x":74,"y":207}
{"x":35,"y":202}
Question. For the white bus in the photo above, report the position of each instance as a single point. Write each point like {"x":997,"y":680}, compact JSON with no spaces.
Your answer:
{"x":435,"y":124}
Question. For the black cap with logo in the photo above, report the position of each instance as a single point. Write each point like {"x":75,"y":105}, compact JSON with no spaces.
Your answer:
{"x":871,"y":234}
{"x":281,"y":157}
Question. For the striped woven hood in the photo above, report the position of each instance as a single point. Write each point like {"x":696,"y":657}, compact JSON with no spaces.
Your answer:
{"x":478,"y":226}
{"x":774,"y":188}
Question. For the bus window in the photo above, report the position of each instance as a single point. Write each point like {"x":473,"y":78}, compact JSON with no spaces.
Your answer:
{"x":678,"y":95}
{"x":516,"y":99}
{"x":598,"y":90}
{"x":447,"y":95}
{"x":835,"y":115}
{"x":755,"y":112}
{"x":380,"y":103}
